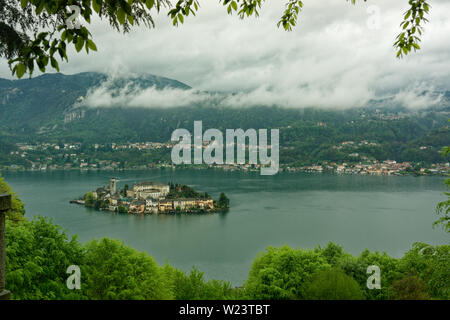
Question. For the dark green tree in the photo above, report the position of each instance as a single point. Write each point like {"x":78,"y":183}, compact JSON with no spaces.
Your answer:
{"x":89,"y":200}
{"x":279,"y":273}
{"x":332,"y":284}
{"x":122,"y":209}
{"x":430,"y":264}
{"x":115,"y":271}
{"x":223,"y":201}
{"x":38,"y":254}
{"x":408,"y":288}
{"x":17,"y":210}
{"x":443,"y":207}
{"x":193,"y":286}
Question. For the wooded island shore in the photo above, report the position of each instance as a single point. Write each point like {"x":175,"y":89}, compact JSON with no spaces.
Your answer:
{"x":152,"y":198}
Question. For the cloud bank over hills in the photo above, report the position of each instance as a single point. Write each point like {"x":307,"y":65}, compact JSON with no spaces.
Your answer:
{"x":339,"y":55}
{"x":129,"y":92}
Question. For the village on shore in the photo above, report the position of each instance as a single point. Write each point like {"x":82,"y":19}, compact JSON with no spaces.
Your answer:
{"x":71,"y":157}
{"x":152,"y":198}
{"x":387,"y":167}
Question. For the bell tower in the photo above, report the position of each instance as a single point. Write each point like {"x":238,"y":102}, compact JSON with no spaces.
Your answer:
{"x":112,"y":185}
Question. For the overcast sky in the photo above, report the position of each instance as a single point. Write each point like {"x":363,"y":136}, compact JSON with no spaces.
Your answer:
{"x":338,"y":55}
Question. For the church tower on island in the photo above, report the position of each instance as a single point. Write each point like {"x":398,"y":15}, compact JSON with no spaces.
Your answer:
{"x":112,"y":185}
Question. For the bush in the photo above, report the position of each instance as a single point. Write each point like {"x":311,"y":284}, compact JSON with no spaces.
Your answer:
{"x":17,"y":210}
{"x":37,"y":256}
{"x":389,"y":268}
{"x":408,"y":288}
{"x":195,"y":287}
{"x":39,"y":253}
{"x":115,"y":271}
{"x":332,"y":284}
{"x":431,"y":265}
{"x":280,"y":273}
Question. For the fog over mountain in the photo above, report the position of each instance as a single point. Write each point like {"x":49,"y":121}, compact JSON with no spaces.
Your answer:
{"x":338,"y":56}
{"x":132,"y":95}
{"x":98,"y":90}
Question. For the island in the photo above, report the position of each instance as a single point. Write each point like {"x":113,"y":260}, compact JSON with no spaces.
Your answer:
{"x":152,"y":198}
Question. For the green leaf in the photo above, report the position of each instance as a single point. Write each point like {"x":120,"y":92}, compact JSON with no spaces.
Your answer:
{"x":120,"y":15}
{"x":20,"y":70}
{"x":30,"y":65}
{"x":40,"y":8}
{"x":97,"y":5}
{"x":79,"y":44}
{"x":130,"y":19}
{"x":40,"y":65}
{"x":234,"y":5}
{"x":54,"y":63}
{"x":149,"y":3}
{"x":44,"y":60}
{"x":23,"y":3}
{"x":85,"y":32}
{"x":127,"y":8}
{"x":408,"y":14}
{"x":91,"y":45}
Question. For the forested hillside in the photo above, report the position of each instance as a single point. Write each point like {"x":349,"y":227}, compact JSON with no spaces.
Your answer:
{"x":50,"y":108}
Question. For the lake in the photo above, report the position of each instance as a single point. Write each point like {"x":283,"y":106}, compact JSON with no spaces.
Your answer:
{"x":385,"y":213}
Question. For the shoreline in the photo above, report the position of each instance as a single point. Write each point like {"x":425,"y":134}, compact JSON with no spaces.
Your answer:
{"x":186,"y":212}
{"x":247,"y":171}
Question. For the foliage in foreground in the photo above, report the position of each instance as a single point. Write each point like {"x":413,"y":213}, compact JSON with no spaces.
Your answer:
{"x":39,"y":252}
{"x":17,"y":207}
{"x":332,"y":284}
{"x":443,"y":207}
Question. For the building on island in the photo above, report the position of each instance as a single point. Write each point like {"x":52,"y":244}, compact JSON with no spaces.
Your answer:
{"x":185,"y":204}
{"x":112,"y":185}
{"x":137,"y":206}
{"x":144,"y":189}
{"x":115,"y":199}
{"x":148,"y":197}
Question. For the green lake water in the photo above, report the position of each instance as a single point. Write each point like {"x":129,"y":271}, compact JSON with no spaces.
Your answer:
{"x":301,"y":210}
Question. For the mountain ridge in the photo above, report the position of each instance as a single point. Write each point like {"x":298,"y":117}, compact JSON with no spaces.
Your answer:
{"x":43,"y":109}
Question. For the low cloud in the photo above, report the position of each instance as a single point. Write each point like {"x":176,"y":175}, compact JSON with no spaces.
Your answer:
{"x":342,"y":93}
{"x":108,"y":94}
{"x":122,"y":91}
{"x":417,"y":98}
